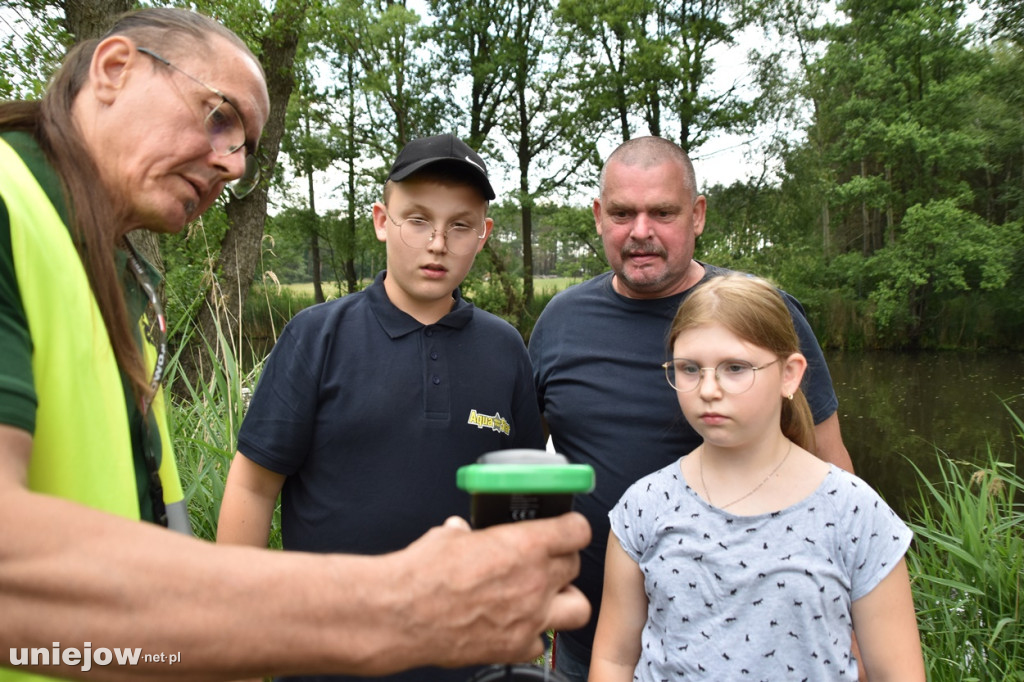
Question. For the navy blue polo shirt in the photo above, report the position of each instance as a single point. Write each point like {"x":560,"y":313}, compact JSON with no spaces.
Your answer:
{"x":369,"y":413}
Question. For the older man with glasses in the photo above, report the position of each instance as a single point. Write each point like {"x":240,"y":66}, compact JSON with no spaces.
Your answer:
{"x":143,"y":129}
{"x":226,"y":132}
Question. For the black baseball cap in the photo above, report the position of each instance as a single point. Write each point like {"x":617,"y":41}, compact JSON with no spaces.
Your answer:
{"x":447,"y":149}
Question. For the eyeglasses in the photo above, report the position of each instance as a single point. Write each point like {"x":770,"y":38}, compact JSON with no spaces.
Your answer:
{"x":225,"y":131}
{"x":733,"y":376}
{"x":460,"y":238}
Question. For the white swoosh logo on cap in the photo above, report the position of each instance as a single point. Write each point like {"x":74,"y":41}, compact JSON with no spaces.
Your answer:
{"x":474,"y":163}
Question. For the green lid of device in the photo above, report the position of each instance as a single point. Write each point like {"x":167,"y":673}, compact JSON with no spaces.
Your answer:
{"x":525,"y":471}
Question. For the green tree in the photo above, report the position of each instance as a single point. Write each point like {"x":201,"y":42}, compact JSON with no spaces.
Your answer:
{"x":310,"y":143}
{"x":896,"y":127}
{"x":942,"y":250}
{"x":404,"y":100}
{"x":610,"y":39}
{"x":649,"y":61}
{"x":1007,"y":19}
{"x":276,"y":34}
{"x":551,"y":144}
{"x":33,"y":42}
{"x":790,"y":82}
{"x":472,"y":40}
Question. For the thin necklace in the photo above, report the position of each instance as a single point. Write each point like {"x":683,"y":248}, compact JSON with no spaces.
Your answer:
{"x":700,"y":463}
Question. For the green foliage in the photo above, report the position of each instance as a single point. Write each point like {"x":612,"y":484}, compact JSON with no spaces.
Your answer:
{"x":910,"y":175}
{"x":291,"y":233}
{"x":967,"y":565}
{"x":204,"y":421}
{"x":838,"y":311}
{"x":567,"y":243}
{"x":493,"y":283}
{"x":896,"y":217}
{"x":188,"y":261}
{"x":943,"y":250}
{"x":1007,"y":19}
{"x":267,"y":310}
{"x":204,"y":430}
{"x":31,"y":47}
{"x":248,"y":18}
{"x":649,"y":62}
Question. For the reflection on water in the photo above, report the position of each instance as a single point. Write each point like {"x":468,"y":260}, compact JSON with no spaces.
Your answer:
{"x":899,"y":406}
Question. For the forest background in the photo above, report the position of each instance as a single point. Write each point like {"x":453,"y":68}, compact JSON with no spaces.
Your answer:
{"x":890,"y":169}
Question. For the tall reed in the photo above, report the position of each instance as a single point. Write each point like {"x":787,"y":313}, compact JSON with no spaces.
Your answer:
{"x":204,"y":428}
{"x":966,"y":566}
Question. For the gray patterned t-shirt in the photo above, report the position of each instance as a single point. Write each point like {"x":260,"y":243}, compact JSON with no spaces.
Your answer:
{"x":762,"y":597}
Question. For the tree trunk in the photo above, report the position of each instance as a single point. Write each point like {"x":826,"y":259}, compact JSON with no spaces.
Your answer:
{"x":85,"y":20}
{"x":240,"y":249}
{"x":314,"y":237}
{"x":526,"y":213}
{"x":351,"y":281}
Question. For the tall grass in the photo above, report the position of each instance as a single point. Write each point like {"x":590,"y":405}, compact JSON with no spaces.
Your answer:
{"x":268,"y":308}
{"x":966,"y":566}
{"x":204,"y":428}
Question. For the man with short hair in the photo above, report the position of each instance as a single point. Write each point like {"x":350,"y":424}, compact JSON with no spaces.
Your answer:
{"x":598,"y":346}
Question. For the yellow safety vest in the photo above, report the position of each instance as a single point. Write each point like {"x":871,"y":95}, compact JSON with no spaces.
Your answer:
{"x":81,"y":448}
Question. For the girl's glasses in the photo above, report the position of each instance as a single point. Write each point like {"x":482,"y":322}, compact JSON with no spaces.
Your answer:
{"x":733,"y":376}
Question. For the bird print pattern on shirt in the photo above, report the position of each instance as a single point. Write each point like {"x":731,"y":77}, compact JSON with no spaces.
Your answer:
{"x":763,"y":597}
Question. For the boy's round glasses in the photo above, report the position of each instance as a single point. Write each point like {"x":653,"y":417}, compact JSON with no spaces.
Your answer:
{"x":417,"y":233}
{"x":733,"y":376}
{"x":225,"y":131}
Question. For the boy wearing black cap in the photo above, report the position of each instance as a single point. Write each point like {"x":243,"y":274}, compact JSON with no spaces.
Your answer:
{"x":368,"y":404}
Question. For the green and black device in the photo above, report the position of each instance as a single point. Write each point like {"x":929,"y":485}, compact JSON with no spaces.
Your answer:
{"x":519,"y":485}
{"x":522,"y":484}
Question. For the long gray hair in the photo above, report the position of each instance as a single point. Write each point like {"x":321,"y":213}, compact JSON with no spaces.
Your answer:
{"x":94,"y":226}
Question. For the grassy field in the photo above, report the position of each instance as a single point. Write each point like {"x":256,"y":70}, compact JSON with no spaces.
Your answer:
{"x":541,"y":286}
{"x":552,"y":285}
{"x":331,"y":289}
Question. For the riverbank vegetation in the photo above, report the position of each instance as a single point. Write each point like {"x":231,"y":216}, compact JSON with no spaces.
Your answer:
{"x":967,"y":566}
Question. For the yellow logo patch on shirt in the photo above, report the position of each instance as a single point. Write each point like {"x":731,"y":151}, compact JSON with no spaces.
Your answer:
{"x":486,"y":421}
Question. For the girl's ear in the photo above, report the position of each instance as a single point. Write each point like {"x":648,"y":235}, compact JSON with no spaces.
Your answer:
{"x":793,"y":369}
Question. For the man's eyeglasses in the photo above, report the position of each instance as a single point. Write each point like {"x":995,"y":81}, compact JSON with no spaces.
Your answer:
{"x":225,"y":131}
{"x":417,"y":233}
{"x":733,"y":376}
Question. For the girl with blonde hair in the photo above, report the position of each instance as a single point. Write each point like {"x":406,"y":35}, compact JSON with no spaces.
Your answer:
{"x":750,"y":558}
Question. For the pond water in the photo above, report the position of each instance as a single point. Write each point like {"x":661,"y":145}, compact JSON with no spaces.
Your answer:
{"x":901,"y":408}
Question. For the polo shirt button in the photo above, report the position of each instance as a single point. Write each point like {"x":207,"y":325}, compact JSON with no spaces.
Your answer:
{"x":428,"y":331}
{"x":436,"y":380}
{"x":433,"y":355}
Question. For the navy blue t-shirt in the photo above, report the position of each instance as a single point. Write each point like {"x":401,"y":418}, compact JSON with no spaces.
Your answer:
{"x":597,"y":362}
{"x":369,"y":413}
